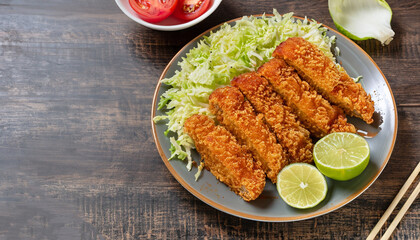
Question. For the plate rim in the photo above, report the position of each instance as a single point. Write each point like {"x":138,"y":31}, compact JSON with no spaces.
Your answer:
{"x":240,"y":214}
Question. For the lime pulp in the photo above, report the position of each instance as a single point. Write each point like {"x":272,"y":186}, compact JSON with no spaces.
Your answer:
{"x":341,"y":156}
{"x":301,"y":185}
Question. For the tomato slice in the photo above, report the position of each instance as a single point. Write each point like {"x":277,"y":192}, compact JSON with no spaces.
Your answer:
{"x":153,"y":10}
{"x":191,"y":9}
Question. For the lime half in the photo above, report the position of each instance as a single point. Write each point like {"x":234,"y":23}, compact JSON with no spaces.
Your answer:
{"x":341,"y":156}
{"x":301,"y":185}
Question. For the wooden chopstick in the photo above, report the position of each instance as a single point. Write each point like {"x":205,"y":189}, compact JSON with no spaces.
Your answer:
{"x":401,"y":213}
{"x":394,"y":203}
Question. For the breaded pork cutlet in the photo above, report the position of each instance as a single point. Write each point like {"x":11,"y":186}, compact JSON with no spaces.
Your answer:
{"x":316,"y":113}
{"x":293,"y":137}
{"x":228,"y":161}
{"x":323,"y":75}
{"x":238,"y":116}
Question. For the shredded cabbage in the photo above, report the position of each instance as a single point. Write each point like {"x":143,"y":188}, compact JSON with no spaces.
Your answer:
{"x":219,"y":57}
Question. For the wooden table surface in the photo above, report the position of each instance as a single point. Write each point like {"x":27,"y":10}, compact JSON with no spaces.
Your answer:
{"x":77,"y":155}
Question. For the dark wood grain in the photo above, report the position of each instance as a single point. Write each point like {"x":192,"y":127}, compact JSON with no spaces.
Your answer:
{"x":77,"y":157}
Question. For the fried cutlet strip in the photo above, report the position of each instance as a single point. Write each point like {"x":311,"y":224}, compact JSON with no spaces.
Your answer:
{"x":323,"y":75}
{"x":316,"y":113}
{"x":293,"y":137}
{"x":238,"y":116}
{"x":228,"y":161}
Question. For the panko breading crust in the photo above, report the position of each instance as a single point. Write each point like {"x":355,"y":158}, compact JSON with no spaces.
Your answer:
{"x":316,"y":113}
{"x":228,"y":161}
{"x":238,"y":116}
{"x":293,"y":137}
{"x":323,"y":75}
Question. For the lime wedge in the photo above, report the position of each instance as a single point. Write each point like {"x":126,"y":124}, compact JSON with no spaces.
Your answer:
{"x":341,"y":156}
{"x":301,"y":185}
{"x":363,"y":19}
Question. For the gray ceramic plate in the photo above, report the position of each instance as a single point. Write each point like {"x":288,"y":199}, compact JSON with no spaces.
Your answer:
{"x":269,"y":206}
